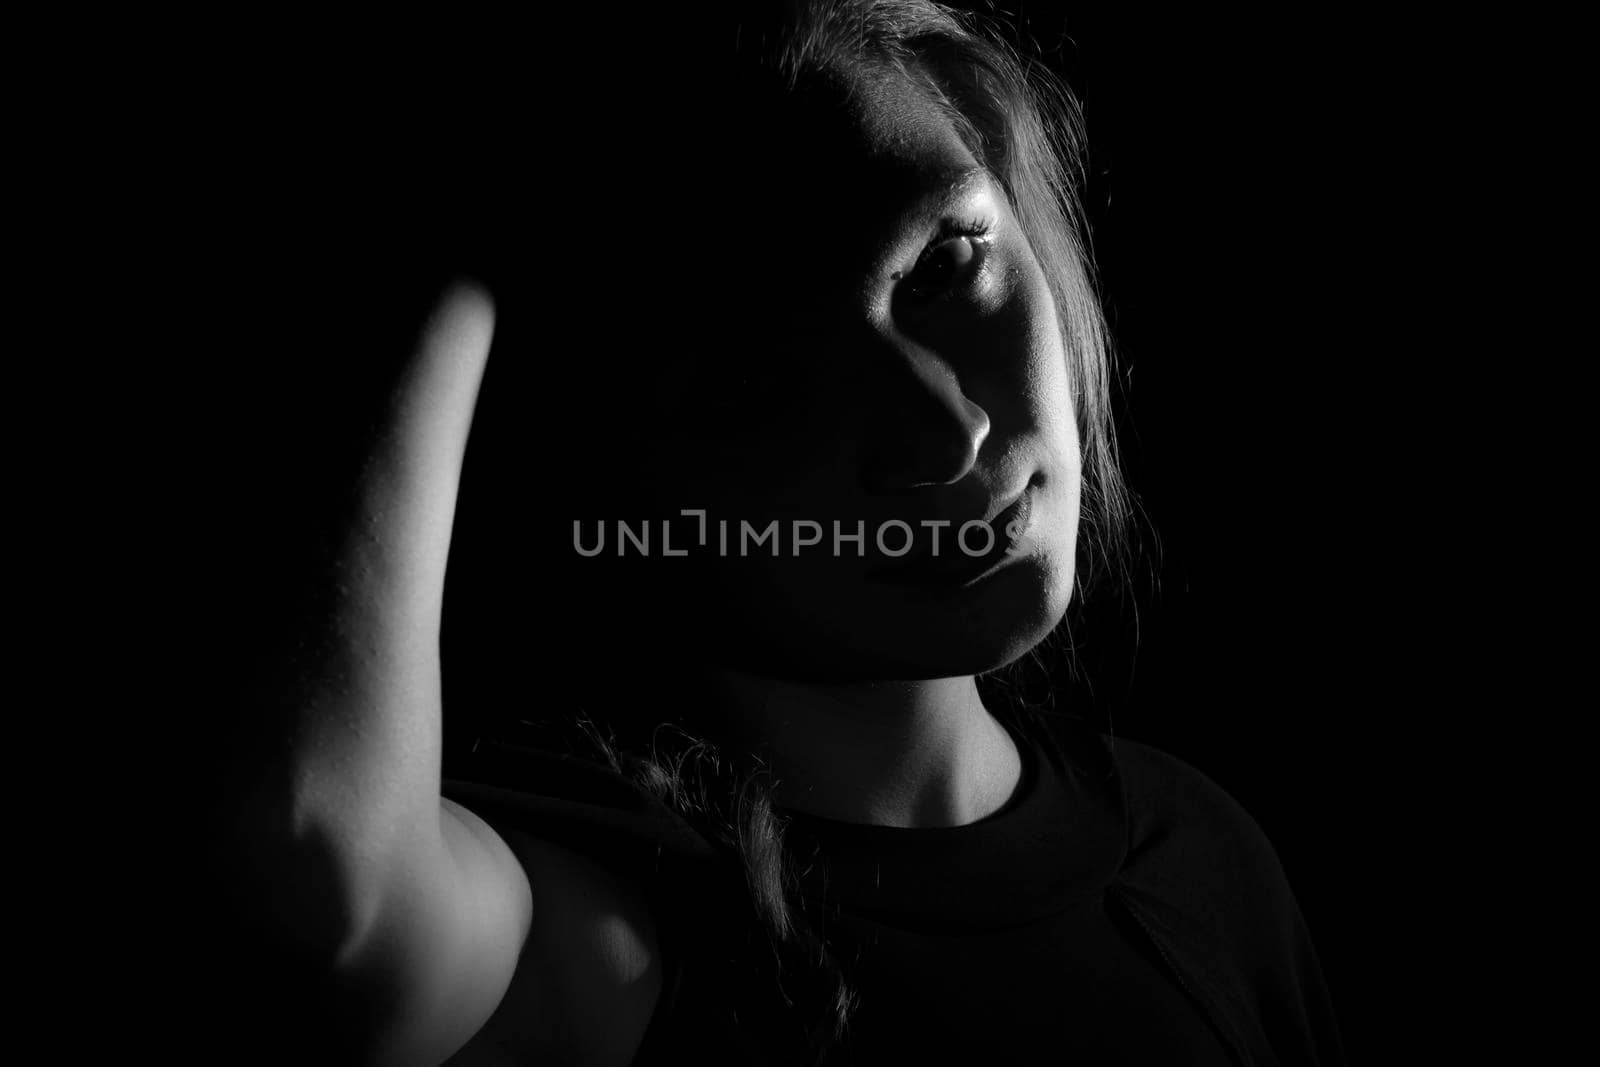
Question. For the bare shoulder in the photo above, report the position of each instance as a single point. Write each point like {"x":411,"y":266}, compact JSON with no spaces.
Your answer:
{"x":590,"y":972}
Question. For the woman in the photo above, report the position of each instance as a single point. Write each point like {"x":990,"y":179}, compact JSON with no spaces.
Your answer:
{"x":822,"y":427}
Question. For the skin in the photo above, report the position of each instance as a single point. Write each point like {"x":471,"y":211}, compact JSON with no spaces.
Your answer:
{"x":893,"y":404}
{"x":875,"y":395}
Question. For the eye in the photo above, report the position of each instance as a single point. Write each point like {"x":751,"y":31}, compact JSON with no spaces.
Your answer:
{"x":952,"y":260}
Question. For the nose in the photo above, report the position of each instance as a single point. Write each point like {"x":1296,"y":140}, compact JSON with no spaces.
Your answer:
{"x":924,"y":430}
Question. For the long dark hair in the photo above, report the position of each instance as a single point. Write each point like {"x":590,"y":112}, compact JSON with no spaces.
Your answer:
{"x":1022,"y":125}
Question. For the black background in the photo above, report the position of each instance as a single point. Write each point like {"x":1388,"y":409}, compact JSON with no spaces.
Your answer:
{"x":1249,"y":190}
{"x":1250,"y":187}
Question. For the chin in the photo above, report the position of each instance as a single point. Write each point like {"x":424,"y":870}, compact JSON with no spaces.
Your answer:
{"x":909,"y":634}
{"x":1020,"y":614}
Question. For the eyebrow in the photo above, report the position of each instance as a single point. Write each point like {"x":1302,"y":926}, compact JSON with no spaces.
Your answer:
{"x":945,"y":186}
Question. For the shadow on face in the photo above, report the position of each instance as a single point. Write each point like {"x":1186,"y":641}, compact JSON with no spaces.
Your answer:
{"x":810,"y":320}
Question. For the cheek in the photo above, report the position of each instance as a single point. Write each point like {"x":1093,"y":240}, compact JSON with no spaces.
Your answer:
{"x":1054,"y":373}
{"x":1063,"y":532}
{"x":1045,"y":379}
{"x":1050,"y":396}
{"x":1052,"y":411}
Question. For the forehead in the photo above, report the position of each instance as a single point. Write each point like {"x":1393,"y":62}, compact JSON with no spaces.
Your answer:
{"x":737,"y":153}
{"x":714,"y":213}
{"x":883,"y":117}
{"x":866,"y":144}
{"x":829,"y":183}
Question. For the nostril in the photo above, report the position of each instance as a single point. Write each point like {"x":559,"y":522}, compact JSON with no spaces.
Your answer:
{"x":938,"y":446}
{"x":921,"y":427}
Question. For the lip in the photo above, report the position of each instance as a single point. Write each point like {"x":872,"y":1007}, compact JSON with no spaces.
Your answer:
{"x":954,"y":568}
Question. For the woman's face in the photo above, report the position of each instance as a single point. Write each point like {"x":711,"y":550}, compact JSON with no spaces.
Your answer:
{"x":880,"y":350}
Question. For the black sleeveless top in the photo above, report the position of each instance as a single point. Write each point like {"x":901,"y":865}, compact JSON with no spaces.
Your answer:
{"x":1120,"y":909}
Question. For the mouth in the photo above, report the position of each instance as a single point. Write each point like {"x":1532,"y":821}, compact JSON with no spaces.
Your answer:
{"x":954,"y":566}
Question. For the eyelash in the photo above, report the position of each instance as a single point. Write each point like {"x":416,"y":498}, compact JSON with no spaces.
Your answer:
{"x":974,"y":228}
{"x":977,"y":231}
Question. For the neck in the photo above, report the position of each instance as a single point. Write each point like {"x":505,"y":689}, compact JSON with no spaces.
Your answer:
{"x":921,"y":753}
